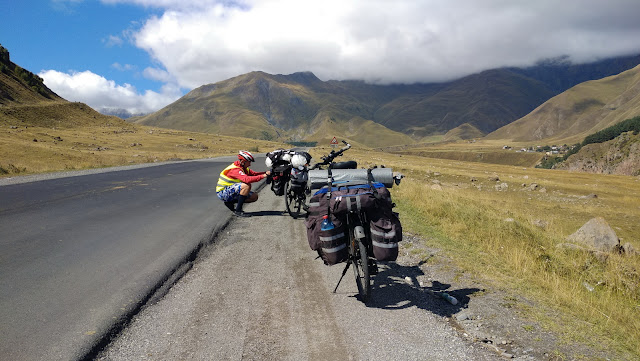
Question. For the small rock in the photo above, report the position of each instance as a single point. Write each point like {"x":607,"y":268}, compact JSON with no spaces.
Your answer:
{"x":494,"y":178}
{"x":533,"y":186}
{"x":509,"y":220}
{"x":462,"y":316}
{"x":629,"y":249}
{"x":540,"y":223}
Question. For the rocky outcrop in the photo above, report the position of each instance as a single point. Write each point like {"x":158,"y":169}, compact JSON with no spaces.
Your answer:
{"x":617,"y":156}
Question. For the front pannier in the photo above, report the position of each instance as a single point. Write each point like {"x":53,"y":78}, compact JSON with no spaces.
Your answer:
{"x":330,"y":244}
{"x":386,"y":232}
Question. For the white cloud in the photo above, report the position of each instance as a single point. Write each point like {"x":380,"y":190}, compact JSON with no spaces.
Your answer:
{"x":123,"y":67}
{"x":196,"y":42}
{"x":380,"y":40}
{"x":113,"y":40}
{"x":158,"y":74}
{"x":98,"y":92}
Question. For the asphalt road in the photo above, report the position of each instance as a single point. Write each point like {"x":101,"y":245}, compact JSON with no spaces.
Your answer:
{"x":79,"y":255}
{"x":259,"y":293}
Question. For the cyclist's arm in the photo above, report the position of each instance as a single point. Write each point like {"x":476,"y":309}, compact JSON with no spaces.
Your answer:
{"x":244,"y":177}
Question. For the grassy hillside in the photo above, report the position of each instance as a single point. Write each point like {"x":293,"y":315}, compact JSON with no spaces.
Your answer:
{"x":257,"y":105}
{"x":71,"y":136}
{"x":487,"y":101}
{"x":41,"y":132}
{"x":464,"y":131}
{"x":579,"y":111}
{"x":20,"y":86}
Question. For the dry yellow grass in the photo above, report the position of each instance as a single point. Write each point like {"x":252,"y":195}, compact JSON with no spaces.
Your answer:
{"x":33,"y":149}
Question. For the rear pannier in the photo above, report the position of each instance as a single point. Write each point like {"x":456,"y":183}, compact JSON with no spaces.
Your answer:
{"x":374,"y":200}
{"x":330,"y":244}
{"x":298,"y":180}
{"x":386,"y":232}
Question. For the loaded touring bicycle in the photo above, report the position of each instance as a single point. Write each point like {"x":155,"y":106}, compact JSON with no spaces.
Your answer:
{"x":350,"y":217}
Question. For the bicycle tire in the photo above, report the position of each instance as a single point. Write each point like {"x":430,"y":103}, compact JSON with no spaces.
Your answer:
{"x":360,"y":260}
{"x":292,"y":202}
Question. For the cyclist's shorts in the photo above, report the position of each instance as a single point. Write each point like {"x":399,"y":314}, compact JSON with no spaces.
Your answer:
{"x":231,"y":193}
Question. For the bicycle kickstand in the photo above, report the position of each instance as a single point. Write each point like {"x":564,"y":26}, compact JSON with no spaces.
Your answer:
{"x":344,"y":271}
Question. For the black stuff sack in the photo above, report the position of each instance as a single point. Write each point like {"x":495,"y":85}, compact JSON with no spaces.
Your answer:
{"x":386,"y":232}
{"x":298,"y":180}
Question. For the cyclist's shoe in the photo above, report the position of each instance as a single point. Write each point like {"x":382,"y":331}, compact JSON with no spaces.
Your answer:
{"x":231,"y":206}
{"x":241,"y":214}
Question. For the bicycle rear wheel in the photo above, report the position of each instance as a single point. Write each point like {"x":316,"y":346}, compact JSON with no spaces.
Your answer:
{"x":360,"y":260}
{"x":292,"y":201}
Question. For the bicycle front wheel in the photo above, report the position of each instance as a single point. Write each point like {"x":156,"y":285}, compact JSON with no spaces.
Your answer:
{"x":360,"y":260}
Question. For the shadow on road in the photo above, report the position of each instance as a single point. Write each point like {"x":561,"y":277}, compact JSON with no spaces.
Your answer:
{"x":392,"y":290}
{"x":268,"y":213}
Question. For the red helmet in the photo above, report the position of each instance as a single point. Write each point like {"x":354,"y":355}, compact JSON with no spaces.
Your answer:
{"x":244,"y":155}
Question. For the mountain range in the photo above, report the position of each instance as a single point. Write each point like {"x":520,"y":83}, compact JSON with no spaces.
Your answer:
{"x":301,"y":107}
{"x":553,"y":101}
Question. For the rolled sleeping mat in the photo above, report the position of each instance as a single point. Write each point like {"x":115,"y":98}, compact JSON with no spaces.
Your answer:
{"x":318,"y":177}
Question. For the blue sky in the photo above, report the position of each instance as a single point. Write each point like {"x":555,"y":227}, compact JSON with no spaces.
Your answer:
{"x":141,"y":55}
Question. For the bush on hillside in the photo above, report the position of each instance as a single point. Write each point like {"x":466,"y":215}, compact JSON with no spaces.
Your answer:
{"x":613,"y":131}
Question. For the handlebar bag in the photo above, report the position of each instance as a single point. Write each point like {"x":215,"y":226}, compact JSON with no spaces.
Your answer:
{"x":330,"y":244}
{"x":386,"y":232}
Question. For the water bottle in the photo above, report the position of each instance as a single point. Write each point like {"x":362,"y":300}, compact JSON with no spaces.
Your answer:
{"x":326,"y":224}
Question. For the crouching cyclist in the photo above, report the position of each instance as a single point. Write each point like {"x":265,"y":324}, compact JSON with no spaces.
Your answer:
{"x":234,"y":184}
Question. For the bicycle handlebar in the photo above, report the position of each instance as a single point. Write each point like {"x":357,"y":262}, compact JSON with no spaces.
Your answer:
{"x":328,"y":159}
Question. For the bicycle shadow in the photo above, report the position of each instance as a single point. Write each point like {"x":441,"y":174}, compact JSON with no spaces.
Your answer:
{"x":392,"y":290}
{"x":268,"y":213}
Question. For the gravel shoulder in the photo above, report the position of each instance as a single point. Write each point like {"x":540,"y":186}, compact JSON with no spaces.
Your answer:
{"x":258,"y":292}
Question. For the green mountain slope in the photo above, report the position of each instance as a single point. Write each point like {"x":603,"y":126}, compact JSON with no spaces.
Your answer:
{"x":301,"y":107}
{"x":579,"y":111}
{"x":20,"y":86}
{"x":487,"y":101}
{"x":26,"y":101}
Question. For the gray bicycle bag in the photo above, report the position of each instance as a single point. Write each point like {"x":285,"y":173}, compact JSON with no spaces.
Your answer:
{"x":386,"y":232}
